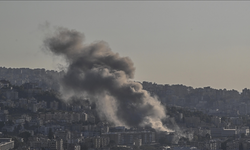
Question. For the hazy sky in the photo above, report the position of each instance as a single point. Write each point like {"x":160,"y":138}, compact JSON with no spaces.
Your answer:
{"x":192,"y":43}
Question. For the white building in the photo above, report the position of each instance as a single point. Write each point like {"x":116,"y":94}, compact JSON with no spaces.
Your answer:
{"x":6,"y":143}
{"x":243,"y":130}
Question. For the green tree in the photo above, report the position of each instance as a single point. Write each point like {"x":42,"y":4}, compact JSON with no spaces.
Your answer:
{"x":16,"y":129}
{"x":25,"y":136}
{"x":10,"y":123}
{"x":17,"y":143}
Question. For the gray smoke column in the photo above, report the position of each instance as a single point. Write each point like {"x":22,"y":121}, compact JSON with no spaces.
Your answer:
{"x":97,"y":72}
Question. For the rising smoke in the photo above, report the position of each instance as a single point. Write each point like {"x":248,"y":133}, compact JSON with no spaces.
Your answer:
{"x":104,"y":76}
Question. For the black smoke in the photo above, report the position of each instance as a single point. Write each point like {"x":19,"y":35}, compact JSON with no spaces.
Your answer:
{"x":97,"y":72}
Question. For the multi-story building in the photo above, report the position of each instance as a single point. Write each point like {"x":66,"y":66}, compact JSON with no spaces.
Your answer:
{"x":74,"y":147}
{"x":6,"y":144}
{"x":97,"y":142}
{"x":84,"y":116}
{"x":192,"y":121}
{"x":214,"y":144}
{"x":243,"y":110}
{"x":76,"y":117}
{"x":63,"y":134}
{"x":128,"y":138}
{"x":11,"y":94}
{"x":222,"y":132}
{"x":233,"y":145}
{"x":54,"y":105}
{"x":216,"y":120}
{"x":54,"y":144}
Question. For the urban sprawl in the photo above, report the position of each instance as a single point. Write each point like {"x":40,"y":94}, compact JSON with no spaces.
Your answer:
{"x":34,"y":117}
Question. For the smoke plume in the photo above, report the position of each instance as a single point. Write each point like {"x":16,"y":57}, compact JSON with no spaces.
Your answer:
{"x":104,"y":76}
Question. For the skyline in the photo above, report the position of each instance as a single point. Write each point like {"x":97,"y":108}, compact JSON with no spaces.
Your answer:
{"x":196,"y":44}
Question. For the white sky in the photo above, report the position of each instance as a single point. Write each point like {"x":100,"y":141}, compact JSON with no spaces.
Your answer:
{"x":191,"y":43}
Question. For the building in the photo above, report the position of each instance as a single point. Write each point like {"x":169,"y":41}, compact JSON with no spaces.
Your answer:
{"x":54,"y":105}
{"x":243,"y":108}
{"x":243,"y":130}
{"x":233,"y":145}
{"x":216,"y":120}
{"x":6,"y":144}
{"x":137,"y":142}
{"x":222,"y":132}
{"x":4,"y":84}
{"x":63,"y":134}
{"x":192,"y":121}
{"x":74,"y":147}
{"x":128,"y":138}
{"x":96,"y":142}
{"x":113,"y":136}
{"x":84,"y":116}
{"x":11,"y":94}
{"x":44,"y":143}
{"x":214,"y":144}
